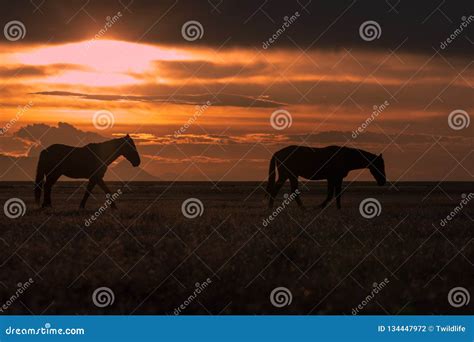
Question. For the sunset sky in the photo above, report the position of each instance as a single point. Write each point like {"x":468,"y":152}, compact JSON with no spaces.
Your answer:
{"x":149,"y":81}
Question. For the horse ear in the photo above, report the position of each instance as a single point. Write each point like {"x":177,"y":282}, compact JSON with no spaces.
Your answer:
{"x":127,"y":136}
{"x":380,"y":155}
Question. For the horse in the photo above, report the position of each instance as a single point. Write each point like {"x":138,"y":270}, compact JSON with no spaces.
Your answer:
{"x":332,"y":163}
{"x":90,"y":161}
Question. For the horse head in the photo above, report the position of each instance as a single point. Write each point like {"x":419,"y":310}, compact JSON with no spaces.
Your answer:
{"x":377,"y":169}
{"x":129,"y":151}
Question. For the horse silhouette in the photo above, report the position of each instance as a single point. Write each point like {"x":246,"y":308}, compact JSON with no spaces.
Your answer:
{"x":90,"y":161}
{"x":332,"y":163}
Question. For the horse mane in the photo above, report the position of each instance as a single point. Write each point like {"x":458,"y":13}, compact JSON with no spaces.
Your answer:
{"x":108,"y":150}
{"x":104,"y":143}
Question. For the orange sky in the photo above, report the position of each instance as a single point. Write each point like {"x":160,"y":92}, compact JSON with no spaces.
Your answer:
{"x":152,"y":91}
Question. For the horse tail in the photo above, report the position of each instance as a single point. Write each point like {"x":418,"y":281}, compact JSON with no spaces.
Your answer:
{"x":40,"y":174}
{"x":271,"y":176}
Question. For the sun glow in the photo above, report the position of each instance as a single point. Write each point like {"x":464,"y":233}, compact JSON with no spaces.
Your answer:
{"x":97,"y":79}
{"x":106,"y":62}
{"x":103,"y":55}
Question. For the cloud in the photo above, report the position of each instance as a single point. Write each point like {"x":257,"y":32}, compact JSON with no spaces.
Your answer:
{"x":184,"y":99}
{"x":40,"y":136}
{"x":30,"y":71}
{"x":203,"y":69}
{"x":323,"y":25}
{"x":193,"y":159}
{"x":348,"y":81}
{"x":22,"y":71}
{"x":12,"y":146}
{"x":244,"y":156}
{"x":317,"y":139}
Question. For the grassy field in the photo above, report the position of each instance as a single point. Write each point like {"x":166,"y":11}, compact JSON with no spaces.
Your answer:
{"x":151,"y":256}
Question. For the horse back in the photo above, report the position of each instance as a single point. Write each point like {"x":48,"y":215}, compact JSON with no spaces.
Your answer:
{"x":58,"y":149}
{"x":74,"y":162}
{"x":313,"y":163}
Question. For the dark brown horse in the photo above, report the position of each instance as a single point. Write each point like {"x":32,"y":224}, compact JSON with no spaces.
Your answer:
{"x":90,"y":161}
{"x":332,"y":163}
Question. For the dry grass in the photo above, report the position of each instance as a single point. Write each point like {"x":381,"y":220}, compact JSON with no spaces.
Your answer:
{"x":151,"y":256}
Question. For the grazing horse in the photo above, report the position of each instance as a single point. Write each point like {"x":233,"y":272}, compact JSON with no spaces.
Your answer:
{"x":332,"y":163}
{"x":90,"y":162}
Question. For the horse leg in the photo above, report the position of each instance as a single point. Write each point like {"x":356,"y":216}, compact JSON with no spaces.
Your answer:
{"x":338,"y":187}
{"x":279,"y":183}
{"x":48,"y":185}
{"x":90,"y":187}
{"x":330,"y":193}
{"x":104,"y":187}
{"x":294,"y":187}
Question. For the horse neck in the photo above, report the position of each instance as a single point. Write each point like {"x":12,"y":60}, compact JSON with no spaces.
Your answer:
{"x":361,"y":159}
{"x":109,"y":151}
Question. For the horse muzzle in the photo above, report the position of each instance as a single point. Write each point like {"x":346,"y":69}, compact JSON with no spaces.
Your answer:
{"x":135,"y":163}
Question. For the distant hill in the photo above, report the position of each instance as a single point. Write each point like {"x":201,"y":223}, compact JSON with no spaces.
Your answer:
{"x":17,"y":168}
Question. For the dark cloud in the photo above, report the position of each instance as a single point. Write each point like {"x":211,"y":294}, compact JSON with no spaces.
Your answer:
{"x":417,"y":26}
{"x":186,"y":99}
{"x":22,"y":71}
{"x":38,"y":71}
{"x":42,"y":135}
{"x":208,"y":70}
